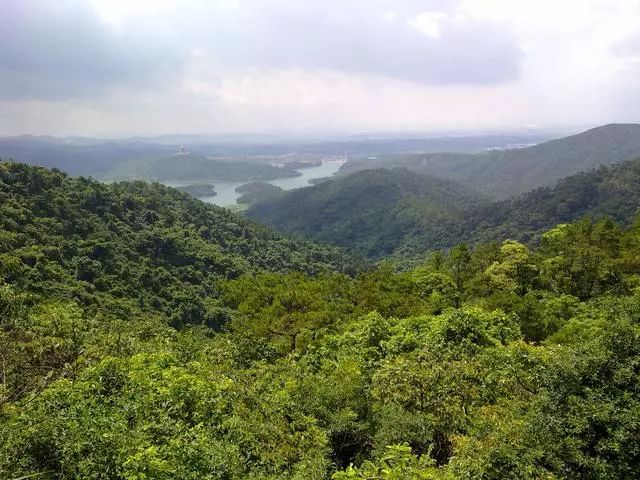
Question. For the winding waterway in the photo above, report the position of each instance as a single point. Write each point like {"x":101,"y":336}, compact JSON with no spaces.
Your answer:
{"x":226,"y":191}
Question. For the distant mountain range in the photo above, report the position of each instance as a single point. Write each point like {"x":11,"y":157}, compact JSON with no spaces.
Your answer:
{"x":420,"y":203}
{"x":96,"y":157}
{"x":88,"y":158}
{"x":196,"y":167}
{"x":609,"y":190}
{"x":505,"y":172}
{"x":402,"y":214}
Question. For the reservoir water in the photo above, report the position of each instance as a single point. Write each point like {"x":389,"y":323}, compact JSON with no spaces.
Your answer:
{"x":226,"y":191}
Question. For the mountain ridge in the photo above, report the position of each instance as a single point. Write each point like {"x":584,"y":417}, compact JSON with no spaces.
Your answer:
{"x":407,"y":227}
{"x":503,"y":173}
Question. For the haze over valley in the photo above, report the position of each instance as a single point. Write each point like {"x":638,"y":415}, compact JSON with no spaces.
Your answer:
{"x":288,"y":162}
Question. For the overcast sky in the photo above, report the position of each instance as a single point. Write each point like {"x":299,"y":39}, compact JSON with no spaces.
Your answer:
{"x":122,"y":67}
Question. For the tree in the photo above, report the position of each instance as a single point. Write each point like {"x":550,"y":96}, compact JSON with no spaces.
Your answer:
{"x":459,"y":261}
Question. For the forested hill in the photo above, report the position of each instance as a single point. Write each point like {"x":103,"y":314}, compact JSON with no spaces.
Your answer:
{"x":374,"y":212}
{"x":401,"y":214}
{"x":133,"y":245}
{"x":492,"y":361}
{"x":502,"y":173}
{"x":612,"y":191}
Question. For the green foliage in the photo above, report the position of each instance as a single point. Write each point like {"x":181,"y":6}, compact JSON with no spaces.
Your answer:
{"x":402,"y":215}
{"x":398,"y":463}
{"x":133,"y":246}
{"x":374,"y":213}
{"x":258,"y":192}
{"x":152,"y":417}
{"x":144,"y":335}
{"x":580,"y":422}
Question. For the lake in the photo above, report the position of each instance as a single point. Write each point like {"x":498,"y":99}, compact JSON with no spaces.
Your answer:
{"x":226,"y":191}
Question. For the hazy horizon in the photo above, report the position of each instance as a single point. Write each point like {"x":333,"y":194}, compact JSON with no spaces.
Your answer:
{"x":317,"y":135}
{"x":117,"y":68}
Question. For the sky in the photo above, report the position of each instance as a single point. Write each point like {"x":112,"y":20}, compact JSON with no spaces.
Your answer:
{"x":148,"y":67}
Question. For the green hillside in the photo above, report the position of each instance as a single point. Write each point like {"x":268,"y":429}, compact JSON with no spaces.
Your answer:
{"x":502,"y":173}
{"x":612,"y":191}
{"x":258,"y":192}
{"x":135,"y":246}
{"x":398,"y":213}
{"x":374,"y":212}
{"x":147,"y":335}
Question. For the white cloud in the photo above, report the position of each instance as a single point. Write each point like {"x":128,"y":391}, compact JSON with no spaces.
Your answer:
{"x":118,"y":12}
{"x":351,"y":65}
{"x":429,"y":23}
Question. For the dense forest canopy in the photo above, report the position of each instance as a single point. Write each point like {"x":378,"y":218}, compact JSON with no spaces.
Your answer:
{"x":319,"y":240}
{"x":397,"y":213}
{"x":374,"y":212}
{"x":134,"y":245}
{"x":144,"y":334}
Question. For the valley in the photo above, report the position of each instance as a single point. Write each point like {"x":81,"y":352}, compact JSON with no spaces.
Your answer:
{"x":379,"y":321}
{"x":406,"y":215}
